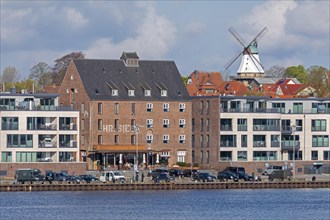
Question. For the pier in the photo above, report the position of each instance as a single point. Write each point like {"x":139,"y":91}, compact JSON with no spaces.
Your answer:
{"x":97,"y":186}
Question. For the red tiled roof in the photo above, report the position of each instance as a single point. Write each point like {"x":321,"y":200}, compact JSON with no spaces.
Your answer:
{"x":204,"y":83}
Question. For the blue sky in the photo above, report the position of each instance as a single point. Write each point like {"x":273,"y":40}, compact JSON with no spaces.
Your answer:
{"x":192,"y":33}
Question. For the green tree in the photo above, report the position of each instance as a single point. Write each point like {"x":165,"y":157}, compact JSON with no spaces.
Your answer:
{"x":298,"y":72}
{"x":317,"y":78}
{"x":41,"y":73}
{"x":184,"y":79}
{"x":10,"y":75}
{"x":62,"y":64}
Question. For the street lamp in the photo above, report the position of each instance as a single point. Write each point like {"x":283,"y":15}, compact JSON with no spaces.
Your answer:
{"x":293,"y":126}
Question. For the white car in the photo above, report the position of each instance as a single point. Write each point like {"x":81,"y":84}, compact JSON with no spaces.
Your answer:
{"x":112,"y":176}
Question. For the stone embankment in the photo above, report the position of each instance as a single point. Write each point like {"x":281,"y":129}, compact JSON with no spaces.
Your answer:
{"x":97,"y":186}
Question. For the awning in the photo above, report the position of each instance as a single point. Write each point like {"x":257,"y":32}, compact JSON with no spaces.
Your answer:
{"x":120,"y":148}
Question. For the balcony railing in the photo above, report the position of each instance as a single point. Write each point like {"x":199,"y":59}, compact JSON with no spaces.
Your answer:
{"x":227,"y":144}
{"x":69,"y":144}
{"x":288,"y":145}
{"x":259,"y":143}
{"x":266,"y":128}
{"x":71,"y":127}
{"x":226,"y":127}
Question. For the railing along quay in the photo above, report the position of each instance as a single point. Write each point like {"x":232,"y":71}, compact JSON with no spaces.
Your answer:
{"x":162,"y":186}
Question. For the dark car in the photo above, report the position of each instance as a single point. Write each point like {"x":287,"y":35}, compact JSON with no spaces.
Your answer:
{"x":203,"y":177}
{"x":61,"y":177}
{"x":163,"y":178}
{"x":227,"y":176}
{"x":235,"y":169}
{"x":189,"y":172}
{"x":156,"y":172}
{"x":175,"y":172}
{"x":244,"y":176}
{"x":88,"y":178}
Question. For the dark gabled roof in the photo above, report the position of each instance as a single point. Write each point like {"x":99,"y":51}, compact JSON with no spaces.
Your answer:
{"x":101,"y":76}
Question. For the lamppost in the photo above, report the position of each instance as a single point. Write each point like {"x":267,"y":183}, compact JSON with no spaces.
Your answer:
{"x":293,"y":126}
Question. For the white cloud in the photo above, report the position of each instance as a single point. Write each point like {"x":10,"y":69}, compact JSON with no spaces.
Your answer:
{"x":153,"y":39}
{"x":75,"y":18}
{"x":195,"y":28}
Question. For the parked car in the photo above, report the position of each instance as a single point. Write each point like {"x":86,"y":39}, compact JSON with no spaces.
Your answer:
{"x":227,"y":176}
{"x":112,"y":176}
{"x":235,"y":169}
{"x":156,"y":172}
{"x":88,"y":178}
{"x":269,"y":170}
{"x":189,"y":172}
{"x":61,"y":177}
{"x":163,"y":177}
{"x":244,"y":176}
{"x":203,"y":177}
{"x":280,"y":175}
{"x":175,"y":172}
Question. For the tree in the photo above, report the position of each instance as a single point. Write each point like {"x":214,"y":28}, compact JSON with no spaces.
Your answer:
{"x":298,"y":72}
{"x":41,"y":73}
{"x":10,"y":75}
{"x":317,"y":78}
{"x":275,"y":72}
{"x":62,"y":64}
{"x":184,"y":79}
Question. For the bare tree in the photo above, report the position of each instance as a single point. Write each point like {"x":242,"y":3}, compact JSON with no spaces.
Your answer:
{"x":275,"y":72}
{"x":317,"y":78}
{"x":41,"y":73}
{"x":62,"y":64}
{"x":10,"y":75}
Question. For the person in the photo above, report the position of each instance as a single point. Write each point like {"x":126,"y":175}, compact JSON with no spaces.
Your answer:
{"x":253,"y":177}
{"x":313,"y":178}
{"x":137,"y":176}
{"x":142,"y":177}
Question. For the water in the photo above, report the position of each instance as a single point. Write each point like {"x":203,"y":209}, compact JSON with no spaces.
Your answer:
{"x":180,"y":204}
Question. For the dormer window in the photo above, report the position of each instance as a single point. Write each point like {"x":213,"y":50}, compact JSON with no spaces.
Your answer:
{"x":163,"y":93}
{"x":147,"y":92}
{"x":130,"y":59}
{"x":130,"y":92}
{"x":114,"y":92}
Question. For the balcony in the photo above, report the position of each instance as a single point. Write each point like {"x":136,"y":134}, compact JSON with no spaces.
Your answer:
{"x":288,"y":145}
{"x":259,"y":144}
{"x":266,"y":128}
{"x":69,"y":144}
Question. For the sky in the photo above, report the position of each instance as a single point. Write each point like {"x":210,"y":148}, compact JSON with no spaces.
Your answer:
{"x":194,"y":34}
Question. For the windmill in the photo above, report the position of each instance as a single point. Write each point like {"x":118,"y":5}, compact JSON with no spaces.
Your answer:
{"x":250,"y":66}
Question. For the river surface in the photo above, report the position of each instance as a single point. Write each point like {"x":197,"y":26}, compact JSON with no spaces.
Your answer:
{"x":311,"y":204}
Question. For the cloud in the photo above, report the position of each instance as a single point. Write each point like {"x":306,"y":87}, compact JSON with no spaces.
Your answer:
{"x":195,"y":28}
{"x":153,"y":37}
{"x":75,"y":18}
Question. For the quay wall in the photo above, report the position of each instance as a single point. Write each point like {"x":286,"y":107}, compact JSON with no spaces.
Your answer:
{"x":162,"y":186}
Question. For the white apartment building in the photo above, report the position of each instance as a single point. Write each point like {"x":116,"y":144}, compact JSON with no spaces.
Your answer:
{"x":35,"y":129}
{"x":258,"y":129}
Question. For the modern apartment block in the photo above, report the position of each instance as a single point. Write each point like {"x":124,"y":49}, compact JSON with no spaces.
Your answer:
{"x":253,"y":131}
{"x":37,"y":133}
{"x":132,"y":111}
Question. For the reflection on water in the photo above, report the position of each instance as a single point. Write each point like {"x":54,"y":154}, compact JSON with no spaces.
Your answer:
{"x":179,"y":204}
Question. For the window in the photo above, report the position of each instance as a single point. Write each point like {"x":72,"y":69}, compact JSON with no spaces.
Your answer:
{"x":315,"y":155}
{"x":130,"y":92}
{"x":99,"y":108}
{"x":241,"y":124}
{"x":326,"y":155}
{"x":82,"y":108}
{"x":116,"y":108}
{"x":166,"y":123}
{"x":207,"y":140}
{"x":259,"y":140}
{"x":182,"y":123}
{"x":166,"y":107}
{"x":19,"y":141}
{"x":150,"y":138}
{"x":147,"y":92}
{"x":133,"y":139}
{"x":207,"y":124}
{"x":133,"y":108}
{"x":264,"y":155}
{"x":181,"y":156}
{"x":225,"y":155}
{"x":201,"y":141}
{"x":99,"y":124}
{"x":280,"y":107}
{"x":99,"y":139}
{"x":6,"y":157}
{"x":116,"y":139}
{"x":275,"y":140}
{"x":116,"y":124}
{"x":114,"y":92}
{"x":9,"y":123}
{"x":193,"y":125}
{"x":149,"y":107}
{"x":182,"y":138}
{"x":226,"y":124}
{"x":201,"y":157}
{"x":192,"y":141}
{"x":163,"y":93}
{"x":150,"y":123}
{"x":82,"y":124}
{"x":228,"y":141}
{"x":320,"y":141}
{"x":208,"y":107}
{"x":297,"y":108}
{"x":28,"y":157}
{"x":166,"y":139}
{"x":82,"y":139}
{"x":202,"y":124}
{"x":182,"y":107}
{"x":242,"y":155}
{"x":201,"y":107}
{"x":244,"y":140}
{"x":319,"y":125}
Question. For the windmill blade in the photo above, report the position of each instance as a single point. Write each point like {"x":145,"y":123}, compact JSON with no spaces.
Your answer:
{"x":253,"y":60}
{"x":261,"y":34}
{"x":232,"y":60}
{"x":237,"y":36}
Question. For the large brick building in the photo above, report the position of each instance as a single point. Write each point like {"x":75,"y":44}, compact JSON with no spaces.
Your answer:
{"x":129,"y":107}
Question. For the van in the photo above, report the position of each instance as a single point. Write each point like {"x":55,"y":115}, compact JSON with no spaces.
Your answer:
{"x":29,"y":175}
{"x":269,"y":170}
{"x":235,"y":169}
{"x":112,"y":176}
